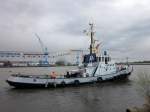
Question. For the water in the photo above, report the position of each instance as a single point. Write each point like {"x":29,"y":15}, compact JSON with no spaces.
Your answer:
{"x":104,"y":97}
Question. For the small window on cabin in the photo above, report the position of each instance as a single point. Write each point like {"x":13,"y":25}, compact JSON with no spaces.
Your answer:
{"x":108,"y":58}
{"x":102,"y":59}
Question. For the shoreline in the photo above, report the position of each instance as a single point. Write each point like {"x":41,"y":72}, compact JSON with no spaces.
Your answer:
{"x":30,"y":66}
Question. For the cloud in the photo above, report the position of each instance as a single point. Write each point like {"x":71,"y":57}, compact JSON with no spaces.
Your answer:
{"x":121,"y":25}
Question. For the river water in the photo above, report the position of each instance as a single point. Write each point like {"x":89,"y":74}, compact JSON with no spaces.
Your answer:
{"x":103,"y":97}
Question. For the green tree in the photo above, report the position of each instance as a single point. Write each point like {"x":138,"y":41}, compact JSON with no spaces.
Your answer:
{"x":60,"y":63}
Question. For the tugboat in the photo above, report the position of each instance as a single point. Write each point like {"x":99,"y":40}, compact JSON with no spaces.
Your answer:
{"x":95,"y":68}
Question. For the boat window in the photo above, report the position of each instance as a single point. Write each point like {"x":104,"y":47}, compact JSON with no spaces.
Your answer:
{"x":102,"y":59}
{"x":108,"y":58}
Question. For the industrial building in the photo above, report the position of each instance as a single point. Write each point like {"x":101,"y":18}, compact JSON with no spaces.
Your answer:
{"x":17,"y":58}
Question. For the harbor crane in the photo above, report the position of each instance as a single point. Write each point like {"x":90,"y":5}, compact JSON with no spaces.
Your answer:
{"x":44,"y":60}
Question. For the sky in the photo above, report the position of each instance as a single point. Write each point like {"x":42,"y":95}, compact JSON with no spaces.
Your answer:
{"x":123,"y":26}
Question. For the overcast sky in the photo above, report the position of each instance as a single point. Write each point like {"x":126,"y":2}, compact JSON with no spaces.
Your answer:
{"x":123,"y":26}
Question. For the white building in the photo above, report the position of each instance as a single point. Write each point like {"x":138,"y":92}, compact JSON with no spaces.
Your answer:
{"x":35,"y":57}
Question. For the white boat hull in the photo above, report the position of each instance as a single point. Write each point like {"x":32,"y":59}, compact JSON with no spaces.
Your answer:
{"x":37,"y":81}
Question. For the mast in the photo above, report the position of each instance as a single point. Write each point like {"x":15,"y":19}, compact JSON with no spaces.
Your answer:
{"x":91,"y":35}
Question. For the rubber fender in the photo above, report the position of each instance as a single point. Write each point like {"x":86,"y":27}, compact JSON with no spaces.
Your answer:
{"x":63,"y":83}
{"x":76,"y":82}
{"x":99,"y":79}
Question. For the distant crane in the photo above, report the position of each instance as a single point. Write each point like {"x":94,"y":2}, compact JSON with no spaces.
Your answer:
{"x":44,"y":61}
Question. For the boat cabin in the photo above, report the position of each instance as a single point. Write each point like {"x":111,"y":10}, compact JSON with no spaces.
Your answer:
{"x":92,"y":58}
